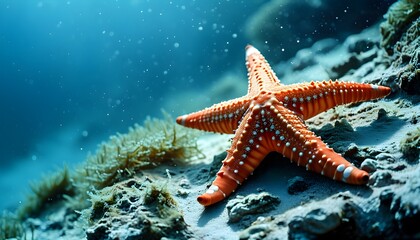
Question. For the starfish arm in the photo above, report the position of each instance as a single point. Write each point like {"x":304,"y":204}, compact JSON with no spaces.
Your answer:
{"x":220,"y":118}
{"x":294,"y":140}
{"x":242,"y":158}
{"x":271,"y":118}
{"x":316,"y":97}
{"x":260,"y":75}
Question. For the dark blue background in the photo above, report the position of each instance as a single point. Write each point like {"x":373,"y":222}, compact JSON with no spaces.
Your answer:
{"x":104,"y":65}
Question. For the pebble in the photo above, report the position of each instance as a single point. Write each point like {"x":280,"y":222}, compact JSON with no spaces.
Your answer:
{"x":385,"y":157}
{"x":316,"y":222}
{"x":369,"y":165}
{"x":185,"y":183}
{"x":381,"y":179}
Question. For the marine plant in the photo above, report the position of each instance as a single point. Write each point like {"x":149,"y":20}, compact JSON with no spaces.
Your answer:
{"x":49,"y":190}
{"x":11,"y":227}
{"x":123,"y":155}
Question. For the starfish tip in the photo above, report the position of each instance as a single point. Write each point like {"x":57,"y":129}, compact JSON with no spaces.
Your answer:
{"x":181,"y":120}
{"x":204,"y":200}
{"x":251,"y":50}
{"x":364,"y":179}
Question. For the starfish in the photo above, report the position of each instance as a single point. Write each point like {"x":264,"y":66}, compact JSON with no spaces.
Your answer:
{"x":271,"y":118}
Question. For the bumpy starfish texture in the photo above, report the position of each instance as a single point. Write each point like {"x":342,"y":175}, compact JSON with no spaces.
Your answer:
{"x":271,"y":118}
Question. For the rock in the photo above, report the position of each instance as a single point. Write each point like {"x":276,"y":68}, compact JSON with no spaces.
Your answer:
{"x":398,"y":167}
{"x":369,"y":165}
{"x":134,"y":211}
{"x":358,"y":45}
{"x":182,"y":193}
{"x":331,"y":221}
{"x":296,"y":185}
{"x":383,"y":115}
{"x":410,"y":145}
{"x":62,"y":223}
{"x":353,"y":62}
{"x":410,"y":79}
{"x":280,"y":24}
{"x":385,"y":157}
{"x":381,"y":179}
{"x":303,"y":59}
{"x":216,"y":165}
{"x":185,"y":183}
{"x":386,"y":197}
{"x":401,"y":40}
{"x":324,"y":45}
{"x":316,"y":222}
{"x":400,"y":15}
{"x":339,"y":136}
{"x":251,"y":204}
{"x":351,"y":150}
{"x":258,"y":230}
{"x":340,"y":69}
{"x":406,"y":205}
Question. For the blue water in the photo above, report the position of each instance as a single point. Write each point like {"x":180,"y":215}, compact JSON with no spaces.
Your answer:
{"x":74,"y":72}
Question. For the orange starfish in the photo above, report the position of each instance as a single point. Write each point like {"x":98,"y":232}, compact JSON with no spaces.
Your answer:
{"x":271,"y":118}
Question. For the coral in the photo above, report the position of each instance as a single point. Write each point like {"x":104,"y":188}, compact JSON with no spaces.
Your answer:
{"x":410,"y":145}
{"x":11,"y":227}
{"x":124,"y":155}
{"x":134,"y":209}
{"x":48,"y":191}
{"x":399,"y":16}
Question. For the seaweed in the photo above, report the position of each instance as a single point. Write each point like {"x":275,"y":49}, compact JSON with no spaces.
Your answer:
{"x":11,"y":227}
{"x":158,"y":141}
{"x":49,"y":190}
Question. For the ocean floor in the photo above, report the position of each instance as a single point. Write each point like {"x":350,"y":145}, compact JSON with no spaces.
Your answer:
{"x":280,"y":200}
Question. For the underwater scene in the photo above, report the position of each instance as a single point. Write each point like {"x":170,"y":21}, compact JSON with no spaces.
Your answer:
{"x":229,"y":119}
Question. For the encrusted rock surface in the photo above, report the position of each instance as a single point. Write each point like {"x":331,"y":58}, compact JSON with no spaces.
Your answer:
{"x":388,"y":214}
{"x":241,"y":206}
{"x":410,"y":145}
{"x":134,"y":209}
